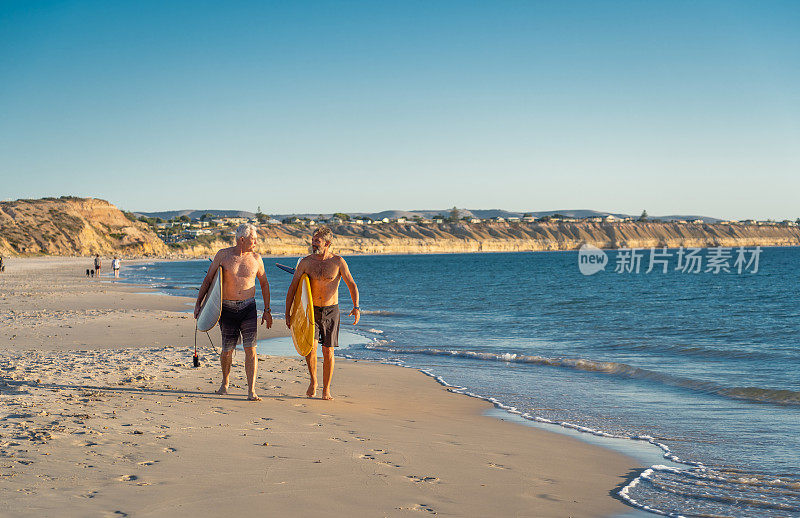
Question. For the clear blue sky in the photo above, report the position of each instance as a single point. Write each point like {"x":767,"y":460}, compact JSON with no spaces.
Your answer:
{"x":674,"y":107}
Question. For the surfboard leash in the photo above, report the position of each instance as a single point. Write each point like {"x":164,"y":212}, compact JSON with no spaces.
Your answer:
{"x":196,"y":359}
{"x":212,"y":343}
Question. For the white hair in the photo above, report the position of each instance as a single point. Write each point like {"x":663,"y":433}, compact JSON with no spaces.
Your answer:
{"x":244,"y":230}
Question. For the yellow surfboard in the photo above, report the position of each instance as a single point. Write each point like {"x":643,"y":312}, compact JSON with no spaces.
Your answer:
{"x":301,"y":317}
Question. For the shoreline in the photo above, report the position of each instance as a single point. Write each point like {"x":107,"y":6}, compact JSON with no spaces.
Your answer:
{"x":529,"y":472}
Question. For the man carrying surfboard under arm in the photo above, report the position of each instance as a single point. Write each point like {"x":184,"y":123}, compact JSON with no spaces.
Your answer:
{"x":324,"y":270}
{"x":241,"y":266}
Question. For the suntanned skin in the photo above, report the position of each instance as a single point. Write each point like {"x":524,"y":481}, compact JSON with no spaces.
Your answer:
{"x":241,"y":266}
{"x":324,"y":270}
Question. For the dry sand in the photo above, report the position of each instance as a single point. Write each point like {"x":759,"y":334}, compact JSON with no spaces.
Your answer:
{"x":102,"y":414}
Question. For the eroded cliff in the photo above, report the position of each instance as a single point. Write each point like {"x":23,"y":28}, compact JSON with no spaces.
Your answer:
{"x":85,"y":226}
{"x":73,"y":226}
{"x":507,"y":237}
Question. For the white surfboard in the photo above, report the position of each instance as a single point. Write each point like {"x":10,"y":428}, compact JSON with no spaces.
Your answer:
{"x":211,"y":308}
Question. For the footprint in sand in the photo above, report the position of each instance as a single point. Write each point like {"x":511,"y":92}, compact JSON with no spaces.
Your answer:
{"x":369,"y":456}
{"x":421,"y":480}
{"x":419,"y":508}
{"x":128,"y":478}
{"x":169,"y":450}
{"x":146,"y":463}
{"x":388,"y":463}
{"x":497,"y":466}
{"x":545,"y":496}
{"x":353,"y":433}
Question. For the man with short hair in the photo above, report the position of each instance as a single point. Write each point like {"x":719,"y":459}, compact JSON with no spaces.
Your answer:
{"x":241,"y":266}
{"x":324,"y":270}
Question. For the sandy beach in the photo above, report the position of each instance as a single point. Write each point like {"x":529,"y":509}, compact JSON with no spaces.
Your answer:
{"x":102,"y":414}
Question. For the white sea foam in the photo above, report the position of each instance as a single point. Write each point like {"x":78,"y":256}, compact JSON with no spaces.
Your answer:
{"x":755,"y":394}
{"x":379,"y":313}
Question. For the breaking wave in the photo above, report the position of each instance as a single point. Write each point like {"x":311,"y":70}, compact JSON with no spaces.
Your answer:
{"x":379,"y":313}
{"x":753,"y":394}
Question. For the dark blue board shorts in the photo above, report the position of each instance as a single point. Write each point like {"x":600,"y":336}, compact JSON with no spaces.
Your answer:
{"x":326,"y":325}
{"x":238,"y":318}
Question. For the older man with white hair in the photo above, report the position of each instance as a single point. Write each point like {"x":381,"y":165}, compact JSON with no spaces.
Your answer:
{"x":241,"y":266}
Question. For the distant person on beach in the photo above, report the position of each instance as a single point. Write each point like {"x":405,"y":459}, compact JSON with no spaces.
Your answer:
{"x":324,"y":270}
{"x":241,"y":266}
{"x":115,"y":266}
{"x":2,"y":266}
{"x":97,"y":264}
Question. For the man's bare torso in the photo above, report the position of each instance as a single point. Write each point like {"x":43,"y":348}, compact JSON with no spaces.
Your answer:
{"x":324,"y":275}
{"x":238,"y":274}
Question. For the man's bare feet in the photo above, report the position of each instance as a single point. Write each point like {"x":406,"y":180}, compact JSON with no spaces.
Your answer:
{"x":222,"y":390}
{"x":327,"y":395}
{"x":312,"y":389}
{"x":253,"y":397}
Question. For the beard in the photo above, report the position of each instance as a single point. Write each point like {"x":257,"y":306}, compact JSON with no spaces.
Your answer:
{"x":319,"y":250}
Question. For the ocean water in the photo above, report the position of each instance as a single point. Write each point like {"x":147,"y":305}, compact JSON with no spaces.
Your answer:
{"x":704,"y":366}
